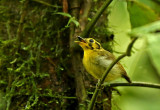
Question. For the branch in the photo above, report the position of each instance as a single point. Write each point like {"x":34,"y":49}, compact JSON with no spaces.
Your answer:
{"x":137,"y":84}
{"x":76,"y":59}
{"x":90,"y":25}
{"x":127,"y":53}
{"x":46,"y":4}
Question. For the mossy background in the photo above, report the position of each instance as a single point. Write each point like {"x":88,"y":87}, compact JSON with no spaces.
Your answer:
{"x":34,"y":74}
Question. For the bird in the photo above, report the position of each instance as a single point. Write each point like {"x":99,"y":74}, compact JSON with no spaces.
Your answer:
{"x":96,"y":60}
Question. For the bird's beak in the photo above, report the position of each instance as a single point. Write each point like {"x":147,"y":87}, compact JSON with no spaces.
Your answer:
{"x":80,"y":40}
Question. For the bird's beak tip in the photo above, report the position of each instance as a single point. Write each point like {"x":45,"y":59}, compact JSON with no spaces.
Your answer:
{"x":81,"y":39}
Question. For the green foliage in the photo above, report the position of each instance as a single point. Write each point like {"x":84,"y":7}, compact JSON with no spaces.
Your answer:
{"x":152,"y":34}
{"x":153,"y":4}
{"x":71,"y":19}
{"x":141,"y":66}
{"x":146,"y":30}
{"x":153,"y":50}
{"x":140,"y":14}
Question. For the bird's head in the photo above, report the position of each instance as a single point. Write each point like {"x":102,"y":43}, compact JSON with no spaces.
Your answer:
{"x":88,"y":43}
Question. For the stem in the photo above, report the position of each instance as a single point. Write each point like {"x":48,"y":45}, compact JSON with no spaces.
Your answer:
{"x":127,"y":53}
{"x":47,"y":4}
{"x":90,"y":25}
{"x":137,"y":84}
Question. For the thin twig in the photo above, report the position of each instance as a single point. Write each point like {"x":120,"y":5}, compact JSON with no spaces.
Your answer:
{"x":137,"y":84}
{"x":47,"y":4}
{"x":91,"y":24}
{"x":95,"y":94}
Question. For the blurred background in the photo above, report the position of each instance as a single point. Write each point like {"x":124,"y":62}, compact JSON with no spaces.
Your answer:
{"x":144,"y":63}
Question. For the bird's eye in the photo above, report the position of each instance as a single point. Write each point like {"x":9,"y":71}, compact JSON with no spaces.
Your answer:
{"x":91,"y":40}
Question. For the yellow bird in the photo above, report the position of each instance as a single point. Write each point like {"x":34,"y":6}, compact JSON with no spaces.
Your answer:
{"x":96,"y":60}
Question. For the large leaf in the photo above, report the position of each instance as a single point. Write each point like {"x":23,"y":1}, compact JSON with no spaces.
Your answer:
{"x":154,"y":50}
{"x":154,"y":4}
{"x":140,"y":14}
{"x":146,"y":30}
{"x":152,"y":33}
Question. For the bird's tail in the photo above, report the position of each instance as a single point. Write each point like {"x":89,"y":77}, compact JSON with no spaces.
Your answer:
{"x":127,"y":78}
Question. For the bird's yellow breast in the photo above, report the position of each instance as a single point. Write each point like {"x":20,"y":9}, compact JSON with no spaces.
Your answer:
{"x":90,"y":64}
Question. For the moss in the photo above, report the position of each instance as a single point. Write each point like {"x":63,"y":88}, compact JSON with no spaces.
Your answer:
{"x":32,"y":77}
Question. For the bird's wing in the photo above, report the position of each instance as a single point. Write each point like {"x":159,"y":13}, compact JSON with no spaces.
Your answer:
{"x":103,"y":59}
{"x":106,"y":58}
{"x":106,"y":54}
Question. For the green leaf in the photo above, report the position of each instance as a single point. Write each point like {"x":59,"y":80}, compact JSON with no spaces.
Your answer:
{"x":75,"y":22}
{"x":154,"y":4}
{"x":140,"y":14}
{"x":72,"y":19}
{"x":146,"y":30}
{"x":64,"y":14}
{"x":10,"y":69}
{"x":154,"y":51}
{"x":20,"y":83}
{"x":3,"y":82}
{"x":12,"y":62}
